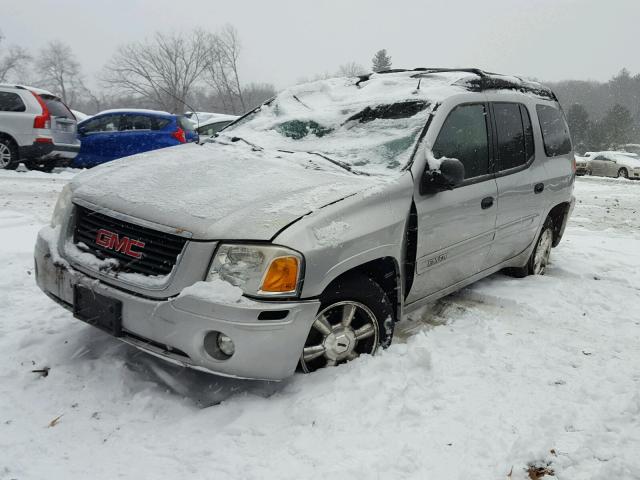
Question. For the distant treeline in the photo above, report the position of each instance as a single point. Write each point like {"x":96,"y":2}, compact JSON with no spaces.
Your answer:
{"x":602,"y":115}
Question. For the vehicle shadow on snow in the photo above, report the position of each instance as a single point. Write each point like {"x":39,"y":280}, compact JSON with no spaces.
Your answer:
{"x":203,"y":389}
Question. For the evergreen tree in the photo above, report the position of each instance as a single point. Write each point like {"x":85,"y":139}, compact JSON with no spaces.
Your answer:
{"x":381,"y":61}
{"x":618,"y":125}
{"x":579,"y":124}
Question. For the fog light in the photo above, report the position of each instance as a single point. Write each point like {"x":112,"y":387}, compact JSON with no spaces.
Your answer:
{"x":218,"y":345}
{"x":225,"y":344}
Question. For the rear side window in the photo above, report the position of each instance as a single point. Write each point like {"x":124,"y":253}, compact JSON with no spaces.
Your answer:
{"x":555,"y":132}
{"x":212,"y":128}
{"x":464,"y":136}
{"x":142,"y":122}
{"x":56,"y":107}
{"x":11,"y":102}
{"x":515,"y":135}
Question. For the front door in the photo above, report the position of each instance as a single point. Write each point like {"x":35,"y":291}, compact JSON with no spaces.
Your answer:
{"x":456,"y":227}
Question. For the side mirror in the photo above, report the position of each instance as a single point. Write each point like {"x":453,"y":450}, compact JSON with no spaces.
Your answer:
{"x":450,"y":175}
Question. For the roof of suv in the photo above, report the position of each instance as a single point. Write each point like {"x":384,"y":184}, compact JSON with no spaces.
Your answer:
{"x":39,"y":91}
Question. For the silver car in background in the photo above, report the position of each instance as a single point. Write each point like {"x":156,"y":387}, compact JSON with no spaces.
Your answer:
{"x":613,"y":164}
{"x":36,"y":127}
{"x":300,"y":235}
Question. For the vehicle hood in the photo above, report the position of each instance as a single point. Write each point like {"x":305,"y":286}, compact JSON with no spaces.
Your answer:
{"x":219,"y":191}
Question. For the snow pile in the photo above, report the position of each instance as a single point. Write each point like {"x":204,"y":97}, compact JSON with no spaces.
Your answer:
{"x":216,"y":290}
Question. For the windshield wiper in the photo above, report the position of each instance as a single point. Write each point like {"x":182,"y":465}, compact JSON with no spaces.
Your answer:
{"x":344,"y":165}
{"x":257,"y":148}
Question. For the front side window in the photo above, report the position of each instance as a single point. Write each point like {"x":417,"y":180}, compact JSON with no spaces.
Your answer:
{"x":107,"y":123}
{"x":555,"y":132}
{"x":515,"y":135}
{"x":11,"y":102}
{"x":464,"y":136}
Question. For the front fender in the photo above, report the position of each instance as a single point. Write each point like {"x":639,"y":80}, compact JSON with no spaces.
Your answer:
{"x":340,"y":237}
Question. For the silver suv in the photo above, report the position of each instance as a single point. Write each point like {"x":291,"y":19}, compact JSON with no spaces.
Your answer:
{"x":300,"y":234}
{"x":36,"y":127}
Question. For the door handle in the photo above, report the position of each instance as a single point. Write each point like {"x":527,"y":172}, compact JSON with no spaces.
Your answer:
{"x":538,"y":188}
{"x":486,"y":202}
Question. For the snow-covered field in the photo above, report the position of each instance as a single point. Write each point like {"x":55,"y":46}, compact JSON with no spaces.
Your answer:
{"x":504,"y":374}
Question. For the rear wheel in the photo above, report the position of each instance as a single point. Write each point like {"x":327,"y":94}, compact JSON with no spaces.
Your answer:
{"x":8,"y":154}
{"x":355,"y":318}
{"x":623,"y":173}
{"x":539,"y":259}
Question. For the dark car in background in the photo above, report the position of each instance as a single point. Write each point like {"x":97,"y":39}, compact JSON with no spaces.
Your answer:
{"x":115,"y":134}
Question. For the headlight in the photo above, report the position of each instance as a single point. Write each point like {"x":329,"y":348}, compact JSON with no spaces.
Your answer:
{"x":61,"y":210}
{"x":264,"y":270}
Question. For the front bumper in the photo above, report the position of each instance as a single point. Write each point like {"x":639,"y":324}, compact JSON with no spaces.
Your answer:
{"x":49,"y":151}
{"x":174,"y":329}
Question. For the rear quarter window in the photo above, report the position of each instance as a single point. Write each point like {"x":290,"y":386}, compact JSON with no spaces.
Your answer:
{"x":11,"y":102}
{"x":555,"y":132}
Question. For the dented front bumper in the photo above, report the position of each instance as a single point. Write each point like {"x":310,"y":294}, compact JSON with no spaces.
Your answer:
{"x":175,"y":328}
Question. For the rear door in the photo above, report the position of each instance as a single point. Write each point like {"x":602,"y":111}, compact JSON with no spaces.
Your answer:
{"x":98,"y":139}
{"x":520,"y":178}
{"x":456,"y":227}
{"x":63,"y":122}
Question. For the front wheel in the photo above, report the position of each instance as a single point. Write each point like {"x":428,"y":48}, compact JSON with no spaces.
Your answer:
{"x":355,"y":318}
{"x":622,"y":173}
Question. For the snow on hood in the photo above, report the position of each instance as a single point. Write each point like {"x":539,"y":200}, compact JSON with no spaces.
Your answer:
{"x":219,"y":191}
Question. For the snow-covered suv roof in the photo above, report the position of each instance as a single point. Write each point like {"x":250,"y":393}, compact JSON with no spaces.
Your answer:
{"x":369,"y":123}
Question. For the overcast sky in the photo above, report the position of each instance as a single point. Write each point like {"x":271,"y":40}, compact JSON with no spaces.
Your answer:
{"x":284,"y":40}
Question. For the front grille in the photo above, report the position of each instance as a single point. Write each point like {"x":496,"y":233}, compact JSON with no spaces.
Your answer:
{"x":158,"y":256}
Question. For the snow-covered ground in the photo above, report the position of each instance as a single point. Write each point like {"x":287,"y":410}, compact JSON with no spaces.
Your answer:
{"x":501,"y":375}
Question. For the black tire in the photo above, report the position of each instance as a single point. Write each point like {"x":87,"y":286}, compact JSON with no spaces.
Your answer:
{"x":354,"y":289}
{"x":531,"y":268}
{"x":589,"y":172}
{"x":623,"y":173}
{"x":8,"y":146}
{"x":42,"y":166}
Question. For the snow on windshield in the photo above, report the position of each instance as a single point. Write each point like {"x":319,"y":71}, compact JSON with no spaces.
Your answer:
{"x":371,"y":127}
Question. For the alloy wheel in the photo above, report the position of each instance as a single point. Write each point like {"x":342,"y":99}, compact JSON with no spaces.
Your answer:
{"x":623,"y":173}
{"x":5,"y":155}
{"x":543,"y":252}
{"x":341,"y":332}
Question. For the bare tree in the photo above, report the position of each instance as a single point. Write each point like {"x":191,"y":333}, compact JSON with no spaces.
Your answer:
{"x":222,"y":71}
{"x":163,"y":70}
{"x":58,"y":70}
{"x":351,"y":69}
{"x":12,"y":60}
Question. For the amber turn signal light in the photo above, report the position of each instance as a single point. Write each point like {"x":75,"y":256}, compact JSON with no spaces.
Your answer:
{"x":282,"y":275}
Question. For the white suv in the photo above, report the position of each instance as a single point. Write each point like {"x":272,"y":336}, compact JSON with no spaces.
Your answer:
{"x":35,"y":127}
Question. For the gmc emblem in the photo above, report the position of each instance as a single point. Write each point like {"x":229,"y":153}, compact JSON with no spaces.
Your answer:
{"x":112,"y":241}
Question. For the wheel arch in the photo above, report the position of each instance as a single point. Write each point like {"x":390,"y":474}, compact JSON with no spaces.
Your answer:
{"x":4,"y":135}
{"x":559,"y":215}
{"x":385,"y":271}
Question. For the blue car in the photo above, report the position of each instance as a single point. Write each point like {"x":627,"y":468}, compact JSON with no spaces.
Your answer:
{"x":119,"y":133}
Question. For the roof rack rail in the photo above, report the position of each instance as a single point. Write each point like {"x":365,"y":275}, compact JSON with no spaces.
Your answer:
{"x":485,"y":80}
